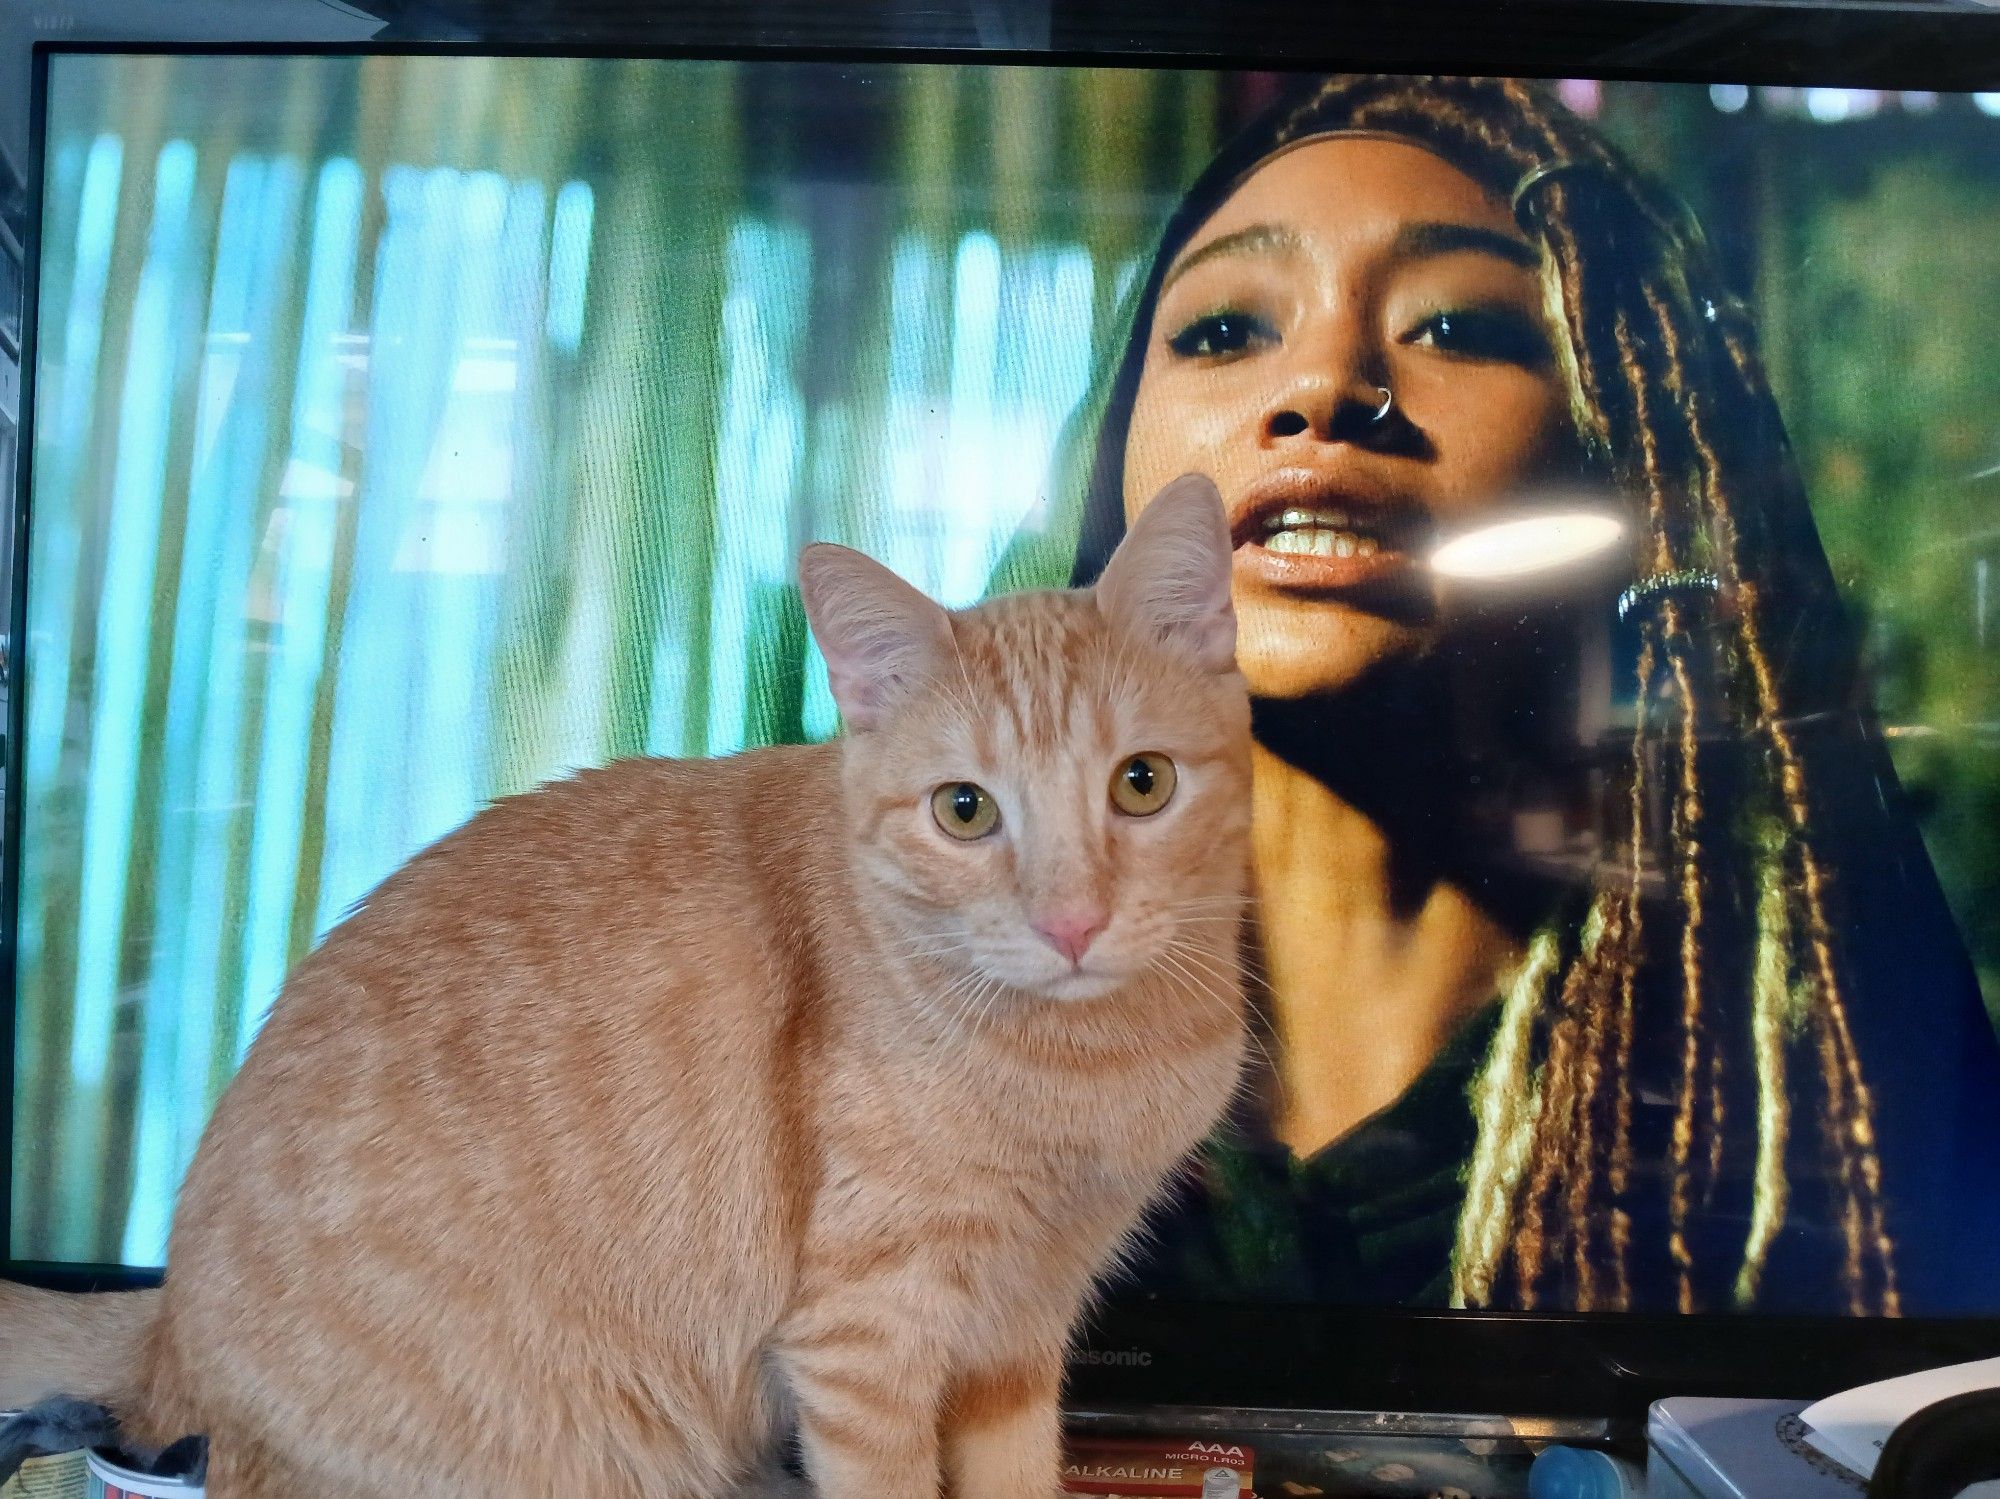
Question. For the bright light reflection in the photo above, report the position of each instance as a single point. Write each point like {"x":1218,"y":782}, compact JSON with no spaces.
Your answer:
{"x":1528,"y":544}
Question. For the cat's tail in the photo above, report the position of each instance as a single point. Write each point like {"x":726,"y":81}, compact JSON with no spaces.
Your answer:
{"x":88,"y":1347}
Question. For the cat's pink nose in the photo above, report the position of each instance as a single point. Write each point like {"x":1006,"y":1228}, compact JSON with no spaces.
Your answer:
{"x":1070,"y":933}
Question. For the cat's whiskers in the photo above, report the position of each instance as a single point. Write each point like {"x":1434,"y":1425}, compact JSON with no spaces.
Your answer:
{"x":1249,"y":1029}
{"x":1178,"y":962}
{"x":991,"y":1002}
{"x":1191,"y":988}
{"x":966,"y":699}
{"x":958,"y":656}
{"x":973,"y":1000}
{"x":956,"y":1006}
{"x":1187,"y":947}
{"x":1184,"y":926}
{"x":943,"y":688}
{"x":1110,"y":668}
{"x":1174,"y":916}
{"x":1227,"y":980}
{"x":972,"y":997}
{"x":1121,"y":665}
{"x":962,"y":986}
{"x":932,"y":948}
{"x":1217,"y":971}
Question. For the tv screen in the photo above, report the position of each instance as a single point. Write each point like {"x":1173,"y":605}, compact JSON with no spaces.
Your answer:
{"x":1616,"y":480}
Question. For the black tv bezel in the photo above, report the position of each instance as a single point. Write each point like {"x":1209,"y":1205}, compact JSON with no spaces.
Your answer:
{"x":1217,"y":1354}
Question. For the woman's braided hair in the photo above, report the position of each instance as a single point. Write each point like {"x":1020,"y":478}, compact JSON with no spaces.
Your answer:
{"x":1716,"y":905}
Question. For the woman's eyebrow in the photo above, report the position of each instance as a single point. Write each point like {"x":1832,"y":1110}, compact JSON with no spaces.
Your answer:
{"x":1256,"y":239}
{"x":1422,"y":241}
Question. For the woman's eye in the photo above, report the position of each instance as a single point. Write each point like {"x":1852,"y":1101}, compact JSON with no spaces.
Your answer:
{"x":1483,"y":333}
{"x":1143,"y":784}
{"x":1221,"y":334}
{"x":964,"y":810}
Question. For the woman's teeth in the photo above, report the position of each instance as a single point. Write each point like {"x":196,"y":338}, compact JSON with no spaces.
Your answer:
{"x":1316,"y":533}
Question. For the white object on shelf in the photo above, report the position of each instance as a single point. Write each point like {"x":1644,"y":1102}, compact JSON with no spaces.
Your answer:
{"x":1851,"y":1427}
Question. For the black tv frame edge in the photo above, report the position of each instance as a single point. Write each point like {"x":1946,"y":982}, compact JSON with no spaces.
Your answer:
{"x":1218,"y":1354}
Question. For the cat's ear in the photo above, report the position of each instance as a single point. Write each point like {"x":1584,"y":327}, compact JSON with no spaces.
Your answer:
{"x":1169,"y":578}
{"x":878,"y":634}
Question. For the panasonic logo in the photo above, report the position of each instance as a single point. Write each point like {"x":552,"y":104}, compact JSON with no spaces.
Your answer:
{"x":1122,"y":1358}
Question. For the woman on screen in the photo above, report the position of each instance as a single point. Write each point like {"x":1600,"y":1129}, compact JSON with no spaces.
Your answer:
{"x":1729,"y":1053}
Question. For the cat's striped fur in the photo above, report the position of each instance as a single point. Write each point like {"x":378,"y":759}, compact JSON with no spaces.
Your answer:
{"x":678,"y":1104}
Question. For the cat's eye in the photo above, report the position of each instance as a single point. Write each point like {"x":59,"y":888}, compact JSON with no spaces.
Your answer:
{"x":1143,"y":784}
{"x":965,"y":810}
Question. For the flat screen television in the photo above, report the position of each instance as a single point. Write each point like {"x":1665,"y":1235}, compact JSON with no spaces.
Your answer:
{"x":1605,"y":408}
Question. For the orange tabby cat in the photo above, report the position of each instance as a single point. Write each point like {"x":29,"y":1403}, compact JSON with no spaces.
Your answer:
{"x":681,"y":1104}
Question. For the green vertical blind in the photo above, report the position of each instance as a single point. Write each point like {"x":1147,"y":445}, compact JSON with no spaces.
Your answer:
{"x":411,"y":430}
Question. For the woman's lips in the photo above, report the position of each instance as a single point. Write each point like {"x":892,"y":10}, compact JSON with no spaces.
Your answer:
{"x":1301,"y":531}
{"x":1311,"y":573}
